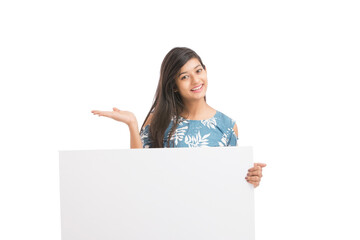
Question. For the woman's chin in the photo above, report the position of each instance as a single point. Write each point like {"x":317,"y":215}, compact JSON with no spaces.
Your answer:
{"x":196,"y":98}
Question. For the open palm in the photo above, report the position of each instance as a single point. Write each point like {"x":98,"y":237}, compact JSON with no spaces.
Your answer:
{"x":118,"y":115}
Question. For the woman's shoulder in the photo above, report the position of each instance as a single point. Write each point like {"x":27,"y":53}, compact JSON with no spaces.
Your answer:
{"x":224,"y":119}
{"x":148,"y":121}
{"x":229,"y":124}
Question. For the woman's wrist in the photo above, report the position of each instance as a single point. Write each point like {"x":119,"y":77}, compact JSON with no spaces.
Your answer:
{"x":133,"y":124}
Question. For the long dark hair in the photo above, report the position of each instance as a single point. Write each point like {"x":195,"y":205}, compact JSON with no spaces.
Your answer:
{"x":167,"y":103}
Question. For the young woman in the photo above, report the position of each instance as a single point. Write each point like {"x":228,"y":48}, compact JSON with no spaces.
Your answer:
{"x":180,"y":116}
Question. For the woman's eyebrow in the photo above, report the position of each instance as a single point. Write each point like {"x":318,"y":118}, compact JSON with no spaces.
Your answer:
{"x":186,"y":72}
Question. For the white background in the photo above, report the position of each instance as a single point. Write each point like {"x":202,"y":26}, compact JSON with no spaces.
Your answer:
{"x":286,"y":71}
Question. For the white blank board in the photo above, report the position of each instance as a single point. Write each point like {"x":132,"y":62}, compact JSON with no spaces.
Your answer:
{"x":168,"y":193}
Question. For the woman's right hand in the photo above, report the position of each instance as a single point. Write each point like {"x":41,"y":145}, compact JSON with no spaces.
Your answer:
{"x":122,"y":116}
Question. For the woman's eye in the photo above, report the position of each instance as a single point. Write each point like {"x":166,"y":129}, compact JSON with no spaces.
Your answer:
{"x":199,"y":70}
{"x":184,"y":77}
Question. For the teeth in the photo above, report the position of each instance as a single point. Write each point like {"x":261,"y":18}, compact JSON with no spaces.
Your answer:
{"x":194,"y":89}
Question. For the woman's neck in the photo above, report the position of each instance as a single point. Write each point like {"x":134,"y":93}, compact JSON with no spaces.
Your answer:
{"x":199,"y":110}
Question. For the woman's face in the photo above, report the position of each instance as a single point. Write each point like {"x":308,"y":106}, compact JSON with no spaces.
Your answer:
{"x":191,"y":81}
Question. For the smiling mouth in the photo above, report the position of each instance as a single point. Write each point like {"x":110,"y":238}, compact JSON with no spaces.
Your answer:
{"x":197,"y":88}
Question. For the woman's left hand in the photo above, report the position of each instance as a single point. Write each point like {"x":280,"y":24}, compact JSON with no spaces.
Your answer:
{"x":255,"y":174}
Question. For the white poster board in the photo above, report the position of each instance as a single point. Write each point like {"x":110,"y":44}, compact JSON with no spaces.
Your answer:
{"x":157,"y":194}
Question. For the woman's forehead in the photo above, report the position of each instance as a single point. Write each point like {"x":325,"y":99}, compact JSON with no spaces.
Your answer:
{"x":190,"y":65}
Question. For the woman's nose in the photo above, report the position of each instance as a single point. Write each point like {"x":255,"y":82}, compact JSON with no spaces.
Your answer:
{"x":195,"y":79}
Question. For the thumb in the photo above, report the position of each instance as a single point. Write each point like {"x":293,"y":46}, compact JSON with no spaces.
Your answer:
{"x":260,"y":164}
{"x":115,"y":109}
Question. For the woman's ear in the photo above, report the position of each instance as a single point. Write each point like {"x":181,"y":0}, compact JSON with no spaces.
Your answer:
{"x":175,"y":89}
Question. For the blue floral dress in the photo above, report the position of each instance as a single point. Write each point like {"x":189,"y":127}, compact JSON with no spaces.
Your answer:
{"x":217,"y":131}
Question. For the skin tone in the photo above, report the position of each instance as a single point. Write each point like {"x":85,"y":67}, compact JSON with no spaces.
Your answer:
{"x":191,"y":76}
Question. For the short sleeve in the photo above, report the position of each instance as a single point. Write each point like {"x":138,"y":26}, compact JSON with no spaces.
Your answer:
{"x":233,"y":139}
{"x":144,"y":135}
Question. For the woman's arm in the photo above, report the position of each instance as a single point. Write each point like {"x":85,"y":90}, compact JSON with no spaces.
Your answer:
{"x":129,"y":119}
{"x":135,"y":140}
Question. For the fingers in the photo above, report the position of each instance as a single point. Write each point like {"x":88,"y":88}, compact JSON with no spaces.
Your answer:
{"x":253,"y":180}
{"x":101,"y":113}
{"x":260,"y":164}
{"x":104,"y":113}
{"x":96,"y":112}
{"x":256,"y":168}
{"x":255,"y":173}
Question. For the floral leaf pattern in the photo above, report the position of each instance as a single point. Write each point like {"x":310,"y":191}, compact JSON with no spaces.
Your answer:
{"x":225,"y":138}
{"x":179,"y":134}
{"x":144,"y":136}
{"x":210,"y":123}
{"x":223,"y":141}
{"x":197,"y":140}
{"x":214,"y":132}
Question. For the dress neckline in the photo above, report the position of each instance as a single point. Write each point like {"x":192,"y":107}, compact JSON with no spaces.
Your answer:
{"x":184,"y":119}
